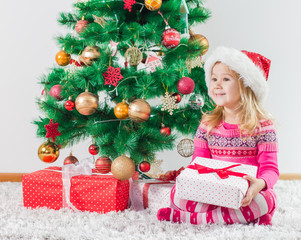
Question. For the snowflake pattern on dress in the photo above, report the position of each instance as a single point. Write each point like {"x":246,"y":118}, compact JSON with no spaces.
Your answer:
{"x":169,"y":103}
{"x":112,"y":76}
{"x":232,"y":145}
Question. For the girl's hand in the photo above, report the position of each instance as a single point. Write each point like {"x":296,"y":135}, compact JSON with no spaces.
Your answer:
{"x":256,"y":185}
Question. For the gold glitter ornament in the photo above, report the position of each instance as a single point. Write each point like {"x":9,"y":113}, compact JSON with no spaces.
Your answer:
{"x":133,"y":56}
{"x":123,"y":168}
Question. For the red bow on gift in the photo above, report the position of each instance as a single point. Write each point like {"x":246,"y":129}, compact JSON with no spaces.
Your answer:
{"x":171,"y":175}
{"x":223,"y":173}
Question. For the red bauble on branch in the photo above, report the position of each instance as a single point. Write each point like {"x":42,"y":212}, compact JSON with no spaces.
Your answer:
{"x":170,"y":38}
{"x":70,"y":160}
{"x":52,"y":130}
{"x":93,"y":149}
{"x":103,"y":165}
{"x":144,"y":166}
{"x":55,"y":91}
{"x":112,"y":76}
{"x":165,"y":130}
{"x":178,"y":97}
{"x":185,"y":85}
{"x":81,"y":25}
{"x":70,"y":105}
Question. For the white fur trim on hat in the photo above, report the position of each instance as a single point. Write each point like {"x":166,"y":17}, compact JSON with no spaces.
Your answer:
{"x":239,"y":62}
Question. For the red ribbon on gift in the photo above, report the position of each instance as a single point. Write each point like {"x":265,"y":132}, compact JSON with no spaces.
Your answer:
{"x":145,"y":191}
{"x":223,"y":173}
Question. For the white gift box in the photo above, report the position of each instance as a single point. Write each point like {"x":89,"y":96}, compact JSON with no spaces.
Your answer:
{"x":210,"y":188}
{"x":150,"y":194}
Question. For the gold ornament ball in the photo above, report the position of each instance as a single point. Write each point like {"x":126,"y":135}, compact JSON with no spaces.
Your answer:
{"x":121,"y":110}
{"x":89,"y":55}
{"x":63,"y":58}
{"x":48,"y":152}
{"x":86,"y":103}
{"x":185,"y":147}
{"x":153,"y":5}
{"x":139,"y":110}
{"x":200,"y":39}
{"x":123,"y":168}
{"x":133,"y":56}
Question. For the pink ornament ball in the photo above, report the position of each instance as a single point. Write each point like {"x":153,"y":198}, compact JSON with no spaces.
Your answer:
{"x":55,"y":91}
{"x":81,"y":25}
{"x":185,"y":85}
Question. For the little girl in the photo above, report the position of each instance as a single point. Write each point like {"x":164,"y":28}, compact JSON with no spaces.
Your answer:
{"x":237,"y":130}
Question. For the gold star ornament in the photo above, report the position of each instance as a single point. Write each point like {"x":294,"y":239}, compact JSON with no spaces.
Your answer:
{"x":100,"y":20}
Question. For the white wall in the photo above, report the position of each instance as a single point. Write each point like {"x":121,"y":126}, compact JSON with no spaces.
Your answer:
{"x":270,"y":27}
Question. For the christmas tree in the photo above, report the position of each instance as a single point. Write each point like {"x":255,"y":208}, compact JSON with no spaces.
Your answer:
{"x":132,"y":53}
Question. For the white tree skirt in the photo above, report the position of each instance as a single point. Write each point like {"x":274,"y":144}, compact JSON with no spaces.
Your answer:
{"x":17,"y":222}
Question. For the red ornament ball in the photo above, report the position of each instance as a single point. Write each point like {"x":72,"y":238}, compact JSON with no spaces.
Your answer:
{"x":144,"y":166}
{"x":165,"y":130}
{"x":70,"y":160}
{"x":93,"y":149}
{"x":103,"y":165}
{"x":81,"y":25}
{"x":55,"y":91}
{"x":69,"y":105}
{"x":170,"y":38}
{"x":185,"y":85}
{"x":178,"y":97}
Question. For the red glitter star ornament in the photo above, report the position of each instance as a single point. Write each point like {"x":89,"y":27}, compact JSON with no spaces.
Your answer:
{"x":128,"y":4}
{"x":112,"y":76}
{"x":52,"y":130}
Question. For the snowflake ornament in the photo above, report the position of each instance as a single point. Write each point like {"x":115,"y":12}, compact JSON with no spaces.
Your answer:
{"x":193,"y":63}
{"x":112,"y":76}
{"x":169,"y":103}
{"x":52,"y":130}
{"x":128,"y":4}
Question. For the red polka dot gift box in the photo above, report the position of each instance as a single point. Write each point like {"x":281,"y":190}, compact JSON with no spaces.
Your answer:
{"x":214,"y":182}
{"x":94,"y":193}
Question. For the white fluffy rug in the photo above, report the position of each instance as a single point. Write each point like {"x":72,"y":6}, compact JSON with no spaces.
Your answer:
{"x":17,"y":222}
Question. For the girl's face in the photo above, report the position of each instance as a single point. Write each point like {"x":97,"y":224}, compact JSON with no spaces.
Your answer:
{"x":224,"y":87}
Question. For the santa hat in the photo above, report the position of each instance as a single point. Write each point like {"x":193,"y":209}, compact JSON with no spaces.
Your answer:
{"x":252,"y":67}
